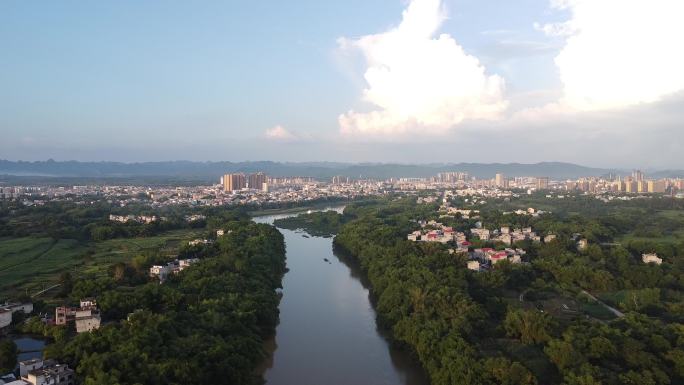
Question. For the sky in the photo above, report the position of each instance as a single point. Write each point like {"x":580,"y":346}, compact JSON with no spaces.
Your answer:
{"x":594,"y":82}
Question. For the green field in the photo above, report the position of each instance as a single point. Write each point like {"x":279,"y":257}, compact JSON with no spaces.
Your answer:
{"x":30,"y":264}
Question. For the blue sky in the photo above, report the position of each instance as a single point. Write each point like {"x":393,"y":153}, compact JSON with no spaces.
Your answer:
{"x":227,"y":80}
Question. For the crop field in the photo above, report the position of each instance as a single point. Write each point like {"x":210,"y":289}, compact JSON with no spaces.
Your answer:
{"x":30,"y":264}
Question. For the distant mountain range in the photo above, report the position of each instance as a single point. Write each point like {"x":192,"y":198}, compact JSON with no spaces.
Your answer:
{"x":206,"y":171}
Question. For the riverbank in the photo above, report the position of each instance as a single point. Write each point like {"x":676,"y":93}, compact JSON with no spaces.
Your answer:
{"x":296,"y":210}
{"x":328,"y":332}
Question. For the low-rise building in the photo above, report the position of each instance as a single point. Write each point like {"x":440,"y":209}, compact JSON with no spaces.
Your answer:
{"x":5,"y":318}
{"x":175,"y":267}
{"x":196,"y":242}
{"x":582,"y":244}
{"x":45,"y":372}
{"x":473,"y":265}
{"x":651,"y":258}
{"x":483,"y":234}
{"x":86,"y":318}
{"x":88,"y":322}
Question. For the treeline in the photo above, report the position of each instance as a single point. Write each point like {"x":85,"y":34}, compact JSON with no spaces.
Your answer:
{"x":205,"y":325}
{"x":318,"y":224}
{"x":465,"y":328}
{"x":89,"y":222}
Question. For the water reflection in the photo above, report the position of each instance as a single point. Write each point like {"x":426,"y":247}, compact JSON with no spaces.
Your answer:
{"x":30,"y":347}
{"x":327,"y":332}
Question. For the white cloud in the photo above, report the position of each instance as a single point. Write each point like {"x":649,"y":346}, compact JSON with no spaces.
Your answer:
{"x":619,"y":53}
{"x":418,"y":82}
{"x":280,"y":133}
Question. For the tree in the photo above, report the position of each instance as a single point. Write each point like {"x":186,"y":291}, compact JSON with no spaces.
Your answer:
{"x":8,"y":355}
{"x":532,"y":327}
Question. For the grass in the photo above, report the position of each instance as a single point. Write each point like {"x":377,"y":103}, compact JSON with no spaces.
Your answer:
{"x":596,"y":310}
{"x":29,"y":264}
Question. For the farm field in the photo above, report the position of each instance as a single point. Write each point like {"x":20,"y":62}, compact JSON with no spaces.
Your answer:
{"x":29,"y":264}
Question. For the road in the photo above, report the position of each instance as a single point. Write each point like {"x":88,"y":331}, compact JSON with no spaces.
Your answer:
{"x":613,"y":310}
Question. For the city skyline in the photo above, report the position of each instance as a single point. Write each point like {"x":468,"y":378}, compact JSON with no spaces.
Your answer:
{"x":301,"y":82}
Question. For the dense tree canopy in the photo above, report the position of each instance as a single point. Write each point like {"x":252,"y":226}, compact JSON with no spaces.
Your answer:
{"x":484,"y":327}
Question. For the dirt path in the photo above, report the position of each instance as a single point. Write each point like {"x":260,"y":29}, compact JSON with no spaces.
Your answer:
{"x":613,"y":310}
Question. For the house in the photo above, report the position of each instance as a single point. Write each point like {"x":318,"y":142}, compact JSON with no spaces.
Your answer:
{"x":196,"y":242}
{"x":175,"y":267}
{"x":549,"y":238}
{"x":483,"y":234}
{"x":220,"y":232}
{"x":651,"y":258}
{"x":86,"y":317}
{"x":45,"y":372}
{"x":26,"y":308}
{"x":473,"y":265}
{"x":160,"y":272}
{"x":64,"y":315}
{"x":87,"y":321}
{"x":582,"y":244}
{"x":491,"y":256}
{"x":414,"y":236}
{"x":8,"y":309}
{"x":5,"y":318}
{"x":88,"y":303}
{"x":28,"y":365}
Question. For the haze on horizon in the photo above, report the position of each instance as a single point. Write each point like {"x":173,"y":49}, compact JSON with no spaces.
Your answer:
{"x":593,"y":82}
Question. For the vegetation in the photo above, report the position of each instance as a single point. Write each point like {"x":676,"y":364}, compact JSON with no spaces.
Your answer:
{"x":526,"y":323}
{"x":8,"y":355}
{"x":318,"y":224}
{"x":204,"y":325}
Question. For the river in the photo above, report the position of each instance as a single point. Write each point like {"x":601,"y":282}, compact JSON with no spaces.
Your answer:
{"x":327,"y":333}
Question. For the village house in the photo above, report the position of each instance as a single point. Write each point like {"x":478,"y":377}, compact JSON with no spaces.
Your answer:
{"x":491,"y":256}
{"x":474,"y":265}
{"x":483,"y":234}
{"x":508,"y":237}
{"x":195,"y":217}
{"x":437,"y":232}
{"x":86,"y":317}
{"x":8,"y":309}
{"x":651,"y":258}
{"x":582,"y":244}
{"x":44,"y":372}
{"x":175,"y":267}
{"x":465,"y":213}
{"x":5,"y":318}
{"x":196,"y":242}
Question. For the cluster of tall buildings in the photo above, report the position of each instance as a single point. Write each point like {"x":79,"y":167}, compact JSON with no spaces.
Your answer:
{"x":633,"y":184}
{"x":452,"y":177}
{"x":235,"y":182}
{"x":540,"y":182}
{"x":340,"y":179}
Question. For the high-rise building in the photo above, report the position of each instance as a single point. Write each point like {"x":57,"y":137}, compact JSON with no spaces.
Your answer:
{"x":234,"y":182}
{"x":542,"y":183}
{"x":642,"y":186}
{"x":500,"y":180}
{"x":256,"y":181}
{"x":637,"y":175}
{"x":452,"y":176}
{"x":679,"y":184}
{"x":631,"y":186}
{"x":656,"y":186}
{"x":339,"y":179}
